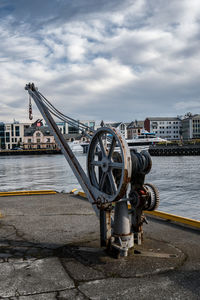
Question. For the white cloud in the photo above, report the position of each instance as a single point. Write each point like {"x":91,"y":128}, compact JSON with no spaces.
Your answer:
{"x":123,"y":58}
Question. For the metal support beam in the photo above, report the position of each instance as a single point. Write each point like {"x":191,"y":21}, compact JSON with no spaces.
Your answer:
{"x":105,"y":227}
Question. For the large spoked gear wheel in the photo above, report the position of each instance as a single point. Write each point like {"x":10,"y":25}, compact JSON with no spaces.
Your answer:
{"x":154,"y":198}
{"x":109,"y":163}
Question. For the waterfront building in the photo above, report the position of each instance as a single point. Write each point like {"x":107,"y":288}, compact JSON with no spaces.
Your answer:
{"x":63,"y":127}
{"x":71,"y":137}
{"x":73,"y":130}
{"x":38,"y":137}
{"x":2,"y":135}
{"x":14,"y":133}
{"x":134,"y":129}
{"x":191,"y":127}
{"x":89,"y":123}
{"x":164,"y":127}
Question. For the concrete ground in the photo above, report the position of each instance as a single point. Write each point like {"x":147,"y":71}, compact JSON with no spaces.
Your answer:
{"x":49,"y":249}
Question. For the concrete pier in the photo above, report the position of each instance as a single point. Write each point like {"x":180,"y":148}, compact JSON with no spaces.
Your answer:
{"x":49,"y":249}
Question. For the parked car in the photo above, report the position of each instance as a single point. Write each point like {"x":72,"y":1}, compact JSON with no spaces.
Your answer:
{"x":17,"y":148}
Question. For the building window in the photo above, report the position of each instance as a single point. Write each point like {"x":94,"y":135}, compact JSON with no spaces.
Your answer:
{"x":7,"y":137}
{"x":38,"y":140}
{"x":48,"y":140}
{"x":92,"y":125}
{"x":122,"y":127}
{"x":38,"y":134}
{"x":12,"y":131}
{"x":17,"y":132}
{"x":29,"y":140}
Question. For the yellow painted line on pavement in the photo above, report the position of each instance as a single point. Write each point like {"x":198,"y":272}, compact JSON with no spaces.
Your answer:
{"x":82,"y":194}
{"x":171,"y":217}
{"x":23,"y":193}
{"x":73,"y":191}
{"x":166,"y":216}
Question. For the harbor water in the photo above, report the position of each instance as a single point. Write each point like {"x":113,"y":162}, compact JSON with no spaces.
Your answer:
{"x":177,"y":178}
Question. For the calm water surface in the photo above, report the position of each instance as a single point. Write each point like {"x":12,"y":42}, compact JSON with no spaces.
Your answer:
{"x":177,"y":178}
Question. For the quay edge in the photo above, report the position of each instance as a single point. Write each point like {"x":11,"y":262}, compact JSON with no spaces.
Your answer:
{"x":162,"y":215}
{"x":21,"y":193}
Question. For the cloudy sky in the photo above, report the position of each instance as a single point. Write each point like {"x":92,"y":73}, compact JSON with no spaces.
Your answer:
{"x":97,"y":59}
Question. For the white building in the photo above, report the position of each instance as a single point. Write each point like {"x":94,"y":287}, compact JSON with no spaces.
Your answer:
{"x":14,"y":133}
{"x":73,"y":130}
{"x":89,"y":123}
{"x":63,"y":127}
{"x":164,"y":127}
{"x":191,"y":127}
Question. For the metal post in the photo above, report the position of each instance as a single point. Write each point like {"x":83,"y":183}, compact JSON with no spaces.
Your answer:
{"x":123,"y":237}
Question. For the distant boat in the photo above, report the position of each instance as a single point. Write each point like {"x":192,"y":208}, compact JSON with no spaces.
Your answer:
{"x":144,"y":140}
{"x":77,"y":146}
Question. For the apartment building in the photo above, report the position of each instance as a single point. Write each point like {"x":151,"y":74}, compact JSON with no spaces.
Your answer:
{"x":63,"y":127}
{"x":14,"y":133}
{"x":191,"y":127}
{"x":164,"y":127}
{"x":2,"y":135}
{"x":73,"y":130}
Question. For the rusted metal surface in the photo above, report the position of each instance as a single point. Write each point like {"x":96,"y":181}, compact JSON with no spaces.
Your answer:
{"x":101,"y":168}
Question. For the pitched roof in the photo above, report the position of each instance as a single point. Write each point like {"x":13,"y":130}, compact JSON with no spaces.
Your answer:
{"x":162,"y":118}
{"x":134,"y":125}
{"x":44,"y":130}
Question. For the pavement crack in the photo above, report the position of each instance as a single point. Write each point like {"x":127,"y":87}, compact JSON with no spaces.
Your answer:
{"x":68,"y":273}
{"x":17,"y":232}
{"x":86,"y":297}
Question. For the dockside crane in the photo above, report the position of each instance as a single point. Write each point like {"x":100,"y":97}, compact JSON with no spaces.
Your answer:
{"x":115,"y":178}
